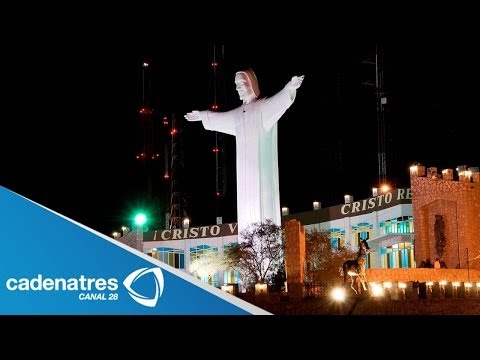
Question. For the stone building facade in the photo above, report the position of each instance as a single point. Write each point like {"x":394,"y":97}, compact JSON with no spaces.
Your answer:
{"x":446,"y":216}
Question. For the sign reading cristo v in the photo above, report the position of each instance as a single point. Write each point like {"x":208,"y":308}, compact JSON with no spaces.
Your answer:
{"x":192,"y":232}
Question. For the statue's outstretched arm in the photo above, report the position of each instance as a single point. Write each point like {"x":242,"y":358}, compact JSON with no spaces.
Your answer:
{"x":193,"y":116}
{"x":276,"y":106}
{"x":296,"y":82}
{"x":213,"y":120}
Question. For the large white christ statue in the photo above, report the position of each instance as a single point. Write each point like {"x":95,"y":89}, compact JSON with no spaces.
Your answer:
{"x":254,"y":125}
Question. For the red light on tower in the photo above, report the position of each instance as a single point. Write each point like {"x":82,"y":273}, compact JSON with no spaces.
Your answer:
{"x":165,"y":121}
{"x":214,"y":64}
{"x":173,"y":132}
{"x":145,"y":111}
{"x":166,"y":176}
{"x":214,"y":107}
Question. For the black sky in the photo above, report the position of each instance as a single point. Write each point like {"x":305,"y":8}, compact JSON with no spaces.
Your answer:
{"x":70,"y":128}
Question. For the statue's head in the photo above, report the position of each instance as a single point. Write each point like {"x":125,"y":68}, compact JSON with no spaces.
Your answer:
{"x":364,"y":246}
{"x":247,"y":85}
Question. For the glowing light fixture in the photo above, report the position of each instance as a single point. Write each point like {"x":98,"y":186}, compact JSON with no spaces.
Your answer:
{"x":377,"y":290}
{"x":338,"y":294}
{"x":140,"y":219}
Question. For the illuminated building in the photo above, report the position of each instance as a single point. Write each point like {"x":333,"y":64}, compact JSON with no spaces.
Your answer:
{"x":385,"y":220}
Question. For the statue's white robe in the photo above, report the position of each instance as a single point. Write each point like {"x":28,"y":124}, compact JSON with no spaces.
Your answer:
{"x":254,"y":126}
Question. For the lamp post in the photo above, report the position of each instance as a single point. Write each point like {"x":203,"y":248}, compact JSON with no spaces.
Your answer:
{"x":140,"y":220}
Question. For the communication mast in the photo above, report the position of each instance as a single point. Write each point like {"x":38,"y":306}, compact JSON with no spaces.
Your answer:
{"x":220,"y":145}
{"x":149,"y":153}
{"x":381,"y":101}
{"x":178,"y":212}
{"x":154,"y":138}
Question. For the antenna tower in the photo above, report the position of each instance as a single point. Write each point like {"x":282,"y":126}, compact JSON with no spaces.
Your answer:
{"x":381,"y":101}
{"x":177,"y":200}
{"x":149,"y":155}
{"x":219,"y":149}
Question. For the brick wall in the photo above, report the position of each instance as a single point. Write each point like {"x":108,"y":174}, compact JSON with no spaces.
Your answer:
{"x":459,"y":204}
{"x":295,"y":258}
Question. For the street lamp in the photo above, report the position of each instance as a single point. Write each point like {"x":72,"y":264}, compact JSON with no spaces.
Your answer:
{"x":139,"y":220}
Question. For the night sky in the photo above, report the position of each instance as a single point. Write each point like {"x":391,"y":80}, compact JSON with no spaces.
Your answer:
{"x":70,"y":129}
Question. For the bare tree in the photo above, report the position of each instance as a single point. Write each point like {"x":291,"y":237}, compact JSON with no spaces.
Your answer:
{"x":324,"y":262}
{"x":210,"y":263}
{"x":317,"y":244}
{"x":259,"y":255}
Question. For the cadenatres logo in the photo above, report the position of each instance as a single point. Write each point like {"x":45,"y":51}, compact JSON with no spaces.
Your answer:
{"x":94,"y":288}
{"x":158,"y":283}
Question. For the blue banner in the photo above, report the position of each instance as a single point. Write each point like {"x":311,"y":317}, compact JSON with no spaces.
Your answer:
{"x":52,"y":265}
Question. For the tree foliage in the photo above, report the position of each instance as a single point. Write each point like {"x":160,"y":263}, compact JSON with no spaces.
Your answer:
{"x":323,"y":261}
{"x":260,"y":254}
{"x":317,"y":244}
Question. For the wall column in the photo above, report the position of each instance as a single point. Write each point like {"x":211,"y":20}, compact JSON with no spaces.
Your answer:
{"x":295,"y":259}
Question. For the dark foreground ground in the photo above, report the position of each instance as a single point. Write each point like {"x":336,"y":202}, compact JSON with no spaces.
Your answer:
{"x":367,"y":305}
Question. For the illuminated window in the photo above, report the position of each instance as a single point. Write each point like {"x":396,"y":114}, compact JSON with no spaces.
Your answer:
{"x":337,"y":238}
{"x":397,"y":256}
{"x":400,"y":225}
{"x":335,"y":243}
{"x":170,"y":256}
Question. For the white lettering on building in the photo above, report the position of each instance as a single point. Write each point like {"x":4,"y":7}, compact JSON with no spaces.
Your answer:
{"x":372,"y":203}
{"x":196,"y":232}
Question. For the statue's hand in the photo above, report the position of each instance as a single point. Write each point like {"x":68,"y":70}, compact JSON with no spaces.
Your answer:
{"x":193,"y":116}
{"x":296,"y":82}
